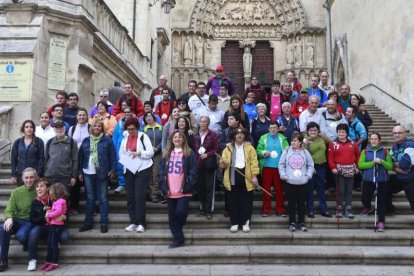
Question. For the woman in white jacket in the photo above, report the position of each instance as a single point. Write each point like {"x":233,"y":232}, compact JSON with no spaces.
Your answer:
{"x":135,"y":154}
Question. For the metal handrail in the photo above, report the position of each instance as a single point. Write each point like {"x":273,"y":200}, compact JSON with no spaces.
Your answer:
{"x":388,"y":94}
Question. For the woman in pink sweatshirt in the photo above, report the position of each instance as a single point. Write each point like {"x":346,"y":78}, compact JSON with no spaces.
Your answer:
{"x":58,"y":194}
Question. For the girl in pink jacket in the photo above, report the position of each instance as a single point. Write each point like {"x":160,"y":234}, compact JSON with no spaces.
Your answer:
{"x":58,"y":193}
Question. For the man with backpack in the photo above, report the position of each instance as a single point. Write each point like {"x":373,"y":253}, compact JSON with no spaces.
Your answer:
{"x":61,"y":158}
{"x":357,"y":131}
{"x":330,"y":119}
{"x":402,"y":154}
{"x":314,"y":90}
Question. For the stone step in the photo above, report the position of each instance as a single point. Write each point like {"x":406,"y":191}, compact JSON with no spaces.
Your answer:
{"x":402,"y":207}
{"x":160,"y":221}
{"x":219,"y":269}
{"x":221,"y":254}
{"x":278,"y":236}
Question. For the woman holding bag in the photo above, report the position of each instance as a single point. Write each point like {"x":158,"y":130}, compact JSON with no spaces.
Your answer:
{"x":206,"y":143}
{"x":343,"y":155}
{"x":135,"y":154}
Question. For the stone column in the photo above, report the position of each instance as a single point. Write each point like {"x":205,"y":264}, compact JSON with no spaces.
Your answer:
{"x":247,"y":60}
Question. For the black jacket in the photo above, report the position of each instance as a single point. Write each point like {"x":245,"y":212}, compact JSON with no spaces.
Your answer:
{"x":38,"y":212}
{"x":190,"y":174}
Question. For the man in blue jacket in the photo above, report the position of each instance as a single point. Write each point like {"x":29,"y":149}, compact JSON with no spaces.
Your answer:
{"x":402,"y":153}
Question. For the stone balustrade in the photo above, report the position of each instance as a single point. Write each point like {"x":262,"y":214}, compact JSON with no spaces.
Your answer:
{"x":4,"y":132}
{"x":107,"y":27}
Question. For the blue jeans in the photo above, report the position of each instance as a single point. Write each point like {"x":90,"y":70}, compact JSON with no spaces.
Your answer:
{"x":55,"y":231}
{"x":120,"y":172}
{"x":38,"y":232}
{"x":21,"y":228}
{"x":96,"y":189}
{"x":177,"y":216}
{"x":317,"y":183}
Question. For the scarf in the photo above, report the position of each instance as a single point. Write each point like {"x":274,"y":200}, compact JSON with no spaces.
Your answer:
{"x":94,"y":140}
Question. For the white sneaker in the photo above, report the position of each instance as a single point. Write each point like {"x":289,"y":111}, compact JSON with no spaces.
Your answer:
{"x":32,"y":265}
{"x":119,"y":189}
{"x":246,"y":228}
{"x":140,"y":229}
{"x":234,"y":228}
{"x":130,"y":228}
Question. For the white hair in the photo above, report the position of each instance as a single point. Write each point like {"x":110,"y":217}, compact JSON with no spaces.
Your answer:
{"x":261,"y":105}
{"x":286,"y":103}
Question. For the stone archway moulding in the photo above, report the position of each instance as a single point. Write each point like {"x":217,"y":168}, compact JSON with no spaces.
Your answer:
{"x":248,"y":19}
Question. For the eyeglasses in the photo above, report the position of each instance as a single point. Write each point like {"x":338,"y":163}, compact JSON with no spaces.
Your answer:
{"x":398,"y":133}
{"x":182,"y":103}
{"x":127,"y":111}
{"x":219,"y":71}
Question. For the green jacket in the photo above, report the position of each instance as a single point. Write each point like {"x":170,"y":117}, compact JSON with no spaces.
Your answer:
{"x":20,"y":203}
{"x":262,"y":147}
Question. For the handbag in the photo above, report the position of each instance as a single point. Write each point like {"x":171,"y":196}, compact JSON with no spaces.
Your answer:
{"x":346,"y":170}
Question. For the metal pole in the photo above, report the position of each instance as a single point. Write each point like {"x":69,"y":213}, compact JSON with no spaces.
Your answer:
{"x":327,"y":5}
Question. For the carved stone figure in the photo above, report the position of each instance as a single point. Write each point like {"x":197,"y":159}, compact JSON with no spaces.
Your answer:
{"x":247,"y":63}
{"x":258,"y":12}
{"x":298,"y":51}
{"x":176,"y":51}
{"x":207,"y":51}
{"x":188,"y":51}
{"x":290,"y":52}
{"x":310,"y":51}
{"x":198,"y":47}
{"x":248,"y":12}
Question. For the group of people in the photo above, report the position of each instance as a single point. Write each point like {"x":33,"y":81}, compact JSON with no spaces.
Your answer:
{"x":295,"y":139}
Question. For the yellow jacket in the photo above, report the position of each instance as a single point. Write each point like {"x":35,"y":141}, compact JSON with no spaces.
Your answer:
{"x":251,"y":169}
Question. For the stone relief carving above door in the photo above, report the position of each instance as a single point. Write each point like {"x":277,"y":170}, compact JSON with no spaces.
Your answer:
{"x":242,"y":19}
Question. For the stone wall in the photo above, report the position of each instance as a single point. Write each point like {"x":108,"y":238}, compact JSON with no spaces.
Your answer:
{"x":375,"y":41}
{"x":151,"y":32}
{"x":99,"y":51}
{"x":294,"y":28}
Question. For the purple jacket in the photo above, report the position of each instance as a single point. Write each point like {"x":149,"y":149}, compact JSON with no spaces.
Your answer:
{"x":211,"y":144}
{"x":214,"y":85}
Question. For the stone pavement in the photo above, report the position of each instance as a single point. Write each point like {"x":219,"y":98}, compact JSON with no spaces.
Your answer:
{"x":216,"y":270}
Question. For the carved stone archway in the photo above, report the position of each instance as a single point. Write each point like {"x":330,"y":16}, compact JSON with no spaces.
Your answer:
{"x":281,"y":23}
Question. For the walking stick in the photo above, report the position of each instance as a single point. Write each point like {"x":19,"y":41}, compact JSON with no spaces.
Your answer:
{"x":376,"y":197}
{"x":337,"y":200}
{"x":260,"y":187}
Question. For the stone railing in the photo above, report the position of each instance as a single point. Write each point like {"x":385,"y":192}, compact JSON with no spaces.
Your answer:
{"x":100,"y":15}
{"x":390,"y":104}
{"x":107,"y":28}
{"x":4,"y":132}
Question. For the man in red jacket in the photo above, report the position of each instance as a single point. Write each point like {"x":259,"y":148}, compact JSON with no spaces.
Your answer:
{"x":164,"y":108}
{"x":132,"y":101}
{"x":302,"y":104}
{"x":290,"y":78}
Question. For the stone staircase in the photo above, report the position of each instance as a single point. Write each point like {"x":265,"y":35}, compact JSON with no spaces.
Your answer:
{"x":269,"y":249}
